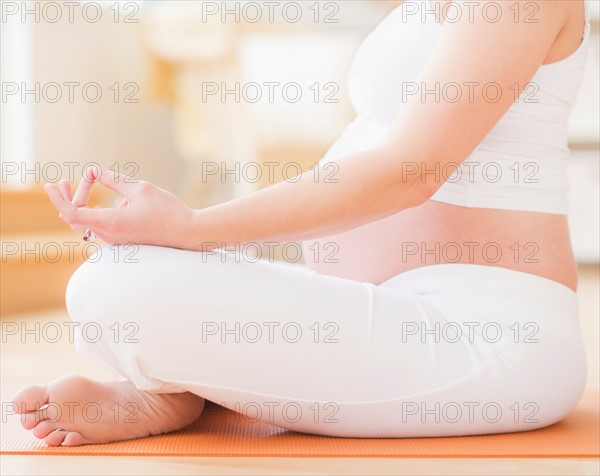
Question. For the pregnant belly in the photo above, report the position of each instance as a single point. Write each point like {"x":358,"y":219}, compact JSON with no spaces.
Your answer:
{"x":439,"y":233}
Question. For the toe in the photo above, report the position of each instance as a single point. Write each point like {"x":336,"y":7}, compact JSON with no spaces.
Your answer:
{"x":30,"y":420}
{"x":31,"y":398}
{"x":43,"y":429}
{"x":74,"y":439}
{"x":56,"y":438}
{"x":50,"y":412}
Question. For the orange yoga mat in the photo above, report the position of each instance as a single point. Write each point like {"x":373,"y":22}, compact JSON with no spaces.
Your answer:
{"x":220,"y":432}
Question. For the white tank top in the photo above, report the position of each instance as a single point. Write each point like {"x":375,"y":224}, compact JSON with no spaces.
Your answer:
{"x":521,"y":163}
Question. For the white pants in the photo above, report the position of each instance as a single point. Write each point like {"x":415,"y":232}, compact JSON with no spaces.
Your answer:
{"x":443,"y":350}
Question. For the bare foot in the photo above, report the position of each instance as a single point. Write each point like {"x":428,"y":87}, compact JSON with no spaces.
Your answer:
{"x":75,"y":411}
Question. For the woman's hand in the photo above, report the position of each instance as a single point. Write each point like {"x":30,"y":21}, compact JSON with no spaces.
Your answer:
{"x":146,"y":215}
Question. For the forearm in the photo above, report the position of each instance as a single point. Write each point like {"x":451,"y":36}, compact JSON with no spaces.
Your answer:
{"x":365,"y":188}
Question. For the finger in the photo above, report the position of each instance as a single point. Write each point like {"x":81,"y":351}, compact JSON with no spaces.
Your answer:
{"x":87,"y":217}
{"x":122,"y":184}
{"x":65,"y":189}
{"x":79,"y":229}
{"x":53,"y":193}
{"x":82,"y":194}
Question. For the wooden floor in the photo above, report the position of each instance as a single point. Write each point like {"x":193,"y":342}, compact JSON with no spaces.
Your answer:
{"x":103,"y":465}
{"x":24,"y":363}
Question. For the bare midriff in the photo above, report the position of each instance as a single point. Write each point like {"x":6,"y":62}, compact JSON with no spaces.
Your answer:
{"x":440,"y":233}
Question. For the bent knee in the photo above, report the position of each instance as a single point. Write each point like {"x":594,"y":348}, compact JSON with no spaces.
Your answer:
{"x":120,"y":283}
{"x":90,"y":293}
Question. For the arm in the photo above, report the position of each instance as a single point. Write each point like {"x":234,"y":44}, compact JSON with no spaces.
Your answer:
{"x":370,"y":185}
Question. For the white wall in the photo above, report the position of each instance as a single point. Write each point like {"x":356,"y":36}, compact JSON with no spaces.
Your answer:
{"x":106,"y":132}
{"x":16,"y":118}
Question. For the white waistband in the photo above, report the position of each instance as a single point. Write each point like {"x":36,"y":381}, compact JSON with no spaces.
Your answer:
{"x":465,"y":278}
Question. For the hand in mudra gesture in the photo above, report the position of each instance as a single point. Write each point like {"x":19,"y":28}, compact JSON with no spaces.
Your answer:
{"x":146,"y":214}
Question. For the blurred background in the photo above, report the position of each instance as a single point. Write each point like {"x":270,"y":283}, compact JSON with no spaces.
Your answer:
{"x":166,"y":91}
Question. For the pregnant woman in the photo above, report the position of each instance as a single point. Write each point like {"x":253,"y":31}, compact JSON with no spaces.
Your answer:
{"x":439,"y":293}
